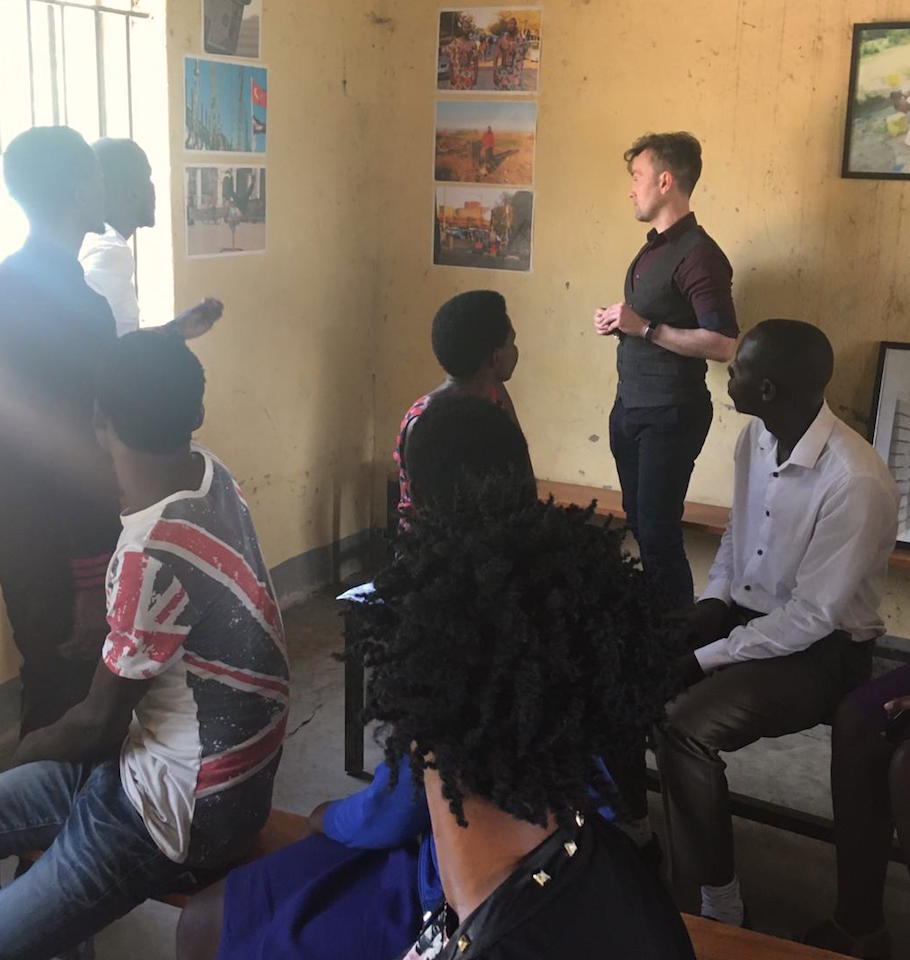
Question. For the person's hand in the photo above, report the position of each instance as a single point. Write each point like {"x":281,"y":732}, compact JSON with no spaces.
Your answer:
{"x":315,"y":818}
{"x":90,"y":627}
{"x":620,"y":318}
{"x":690,"y":669}
{"x":703,"y":622}
{"x":600,"y":322}
{"x":894,"y":707}
{"x":198,"y":320}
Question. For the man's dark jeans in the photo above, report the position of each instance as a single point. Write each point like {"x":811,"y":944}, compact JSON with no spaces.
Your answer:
{"x":655,"y":450}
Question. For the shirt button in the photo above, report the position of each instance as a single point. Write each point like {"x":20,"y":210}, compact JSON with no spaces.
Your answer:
{"x":761,"y":552}
{"x":767,"y":513}
{"x":775,"y":474}
{"x":747,"y":587}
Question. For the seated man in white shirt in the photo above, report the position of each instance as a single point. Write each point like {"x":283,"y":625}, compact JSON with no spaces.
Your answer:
{"x":788,"y":620}
{"x":107,"y":258}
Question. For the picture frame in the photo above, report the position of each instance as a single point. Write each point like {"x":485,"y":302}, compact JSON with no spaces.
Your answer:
{"x":877,"y":130}
{"x":889,"y":424}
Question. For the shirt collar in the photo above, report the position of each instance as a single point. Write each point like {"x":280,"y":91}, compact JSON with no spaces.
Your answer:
{"x":675,"y":230}
{"x":811,"y":443}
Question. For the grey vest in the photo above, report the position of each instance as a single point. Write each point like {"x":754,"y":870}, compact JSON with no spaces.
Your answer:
{"x":650,"y":376}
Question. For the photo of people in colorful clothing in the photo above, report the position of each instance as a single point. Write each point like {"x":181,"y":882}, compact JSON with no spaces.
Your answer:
{"x":489,"y":49}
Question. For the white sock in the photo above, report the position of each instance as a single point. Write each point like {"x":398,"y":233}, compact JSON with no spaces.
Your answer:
{"x":638,"y":831}
{"x":723,"y":903}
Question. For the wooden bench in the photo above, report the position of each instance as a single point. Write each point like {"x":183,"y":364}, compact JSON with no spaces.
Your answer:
{"x":281,"y":829}
{"x":706,"y":517}
{"x":717,"y":941}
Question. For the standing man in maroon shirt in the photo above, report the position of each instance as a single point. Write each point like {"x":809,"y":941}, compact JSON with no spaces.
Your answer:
{"x":676,"y":313}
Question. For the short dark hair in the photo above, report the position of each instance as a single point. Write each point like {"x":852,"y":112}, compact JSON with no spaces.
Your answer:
{"x":150,"y":388}
{"x":43,"y":167}
{"x":680,"y":153}
{"x":467,"y":329}
{"x":793,"y":353}
{"x":119,"y":159}
{"x":459,"y":438}
{"x":511,"y":642}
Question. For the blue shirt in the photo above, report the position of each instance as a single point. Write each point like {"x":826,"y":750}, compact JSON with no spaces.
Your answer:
{"x":377,"y":818}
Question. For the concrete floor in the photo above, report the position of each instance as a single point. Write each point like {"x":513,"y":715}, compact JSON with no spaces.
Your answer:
{"x":787,"y":879}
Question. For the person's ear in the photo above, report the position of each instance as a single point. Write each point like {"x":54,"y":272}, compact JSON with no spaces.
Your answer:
{"x":768,"y":391}
{"x":665,"y":181}
{"x":101,"y":425}
{"x":200,"y":417}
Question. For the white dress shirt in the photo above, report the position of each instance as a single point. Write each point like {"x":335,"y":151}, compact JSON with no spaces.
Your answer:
{"x":109,"y":270}
{"x":807,"y":544}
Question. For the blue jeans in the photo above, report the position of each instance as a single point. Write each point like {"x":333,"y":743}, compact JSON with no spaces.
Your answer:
{"x":100,"y":862}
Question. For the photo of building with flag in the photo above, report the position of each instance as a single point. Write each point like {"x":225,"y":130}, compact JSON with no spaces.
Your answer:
{"x":226,"y":106}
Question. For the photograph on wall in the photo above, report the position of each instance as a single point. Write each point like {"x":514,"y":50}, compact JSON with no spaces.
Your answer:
{"x":488,"y":50}
{"x":225,"y":211}
{"x":890,"y":424}
{"x":485,"y":227}
{"x":232,"y":28}
{"x":226,"y":106}
{"x":877,"y":138}
{"x":486,"y":141}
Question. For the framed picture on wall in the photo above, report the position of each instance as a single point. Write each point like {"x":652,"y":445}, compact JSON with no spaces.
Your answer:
{"x":877,"y":138}
{"x":889,"y":424}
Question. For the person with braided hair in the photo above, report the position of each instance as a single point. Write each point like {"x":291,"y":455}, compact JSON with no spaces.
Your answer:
{"x":511,"y":646}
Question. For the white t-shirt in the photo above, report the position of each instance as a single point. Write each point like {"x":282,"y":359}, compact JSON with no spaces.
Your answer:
{"x":109,"y":269}
{"x":191,"y":607}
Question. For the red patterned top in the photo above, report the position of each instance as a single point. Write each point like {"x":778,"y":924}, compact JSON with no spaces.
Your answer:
{"x":404,"y":483}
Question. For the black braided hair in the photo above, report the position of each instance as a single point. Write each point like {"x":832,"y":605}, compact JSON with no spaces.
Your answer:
{"x":510,"y":642}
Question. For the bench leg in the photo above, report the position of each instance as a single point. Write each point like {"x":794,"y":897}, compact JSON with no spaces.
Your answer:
{"x":353,"y":713}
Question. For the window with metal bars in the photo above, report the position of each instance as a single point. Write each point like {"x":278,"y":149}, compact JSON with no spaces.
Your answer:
{"x":99,"y":67}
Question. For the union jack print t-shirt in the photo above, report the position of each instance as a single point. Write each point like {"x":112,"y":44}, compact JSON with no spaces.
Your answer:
{"x":191,"y":608}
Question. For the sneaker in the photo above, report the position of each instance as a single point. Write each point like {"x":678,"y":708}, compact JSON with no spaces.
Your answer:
{"x":830,"y":935}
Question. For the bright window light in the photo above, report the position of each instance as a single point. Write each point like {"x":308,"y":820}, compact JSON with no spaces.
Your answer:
{"x":104,"y":73}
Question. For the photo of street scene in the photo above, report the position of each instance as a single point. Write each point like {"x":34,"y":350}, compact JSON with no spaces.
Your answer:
{"x":232,"y":28}
{"x":485,"y":227}
{"x":489,"y":50}
{"x":226,"y":106}
{"x":225,"y":211}
{"x":878,"y":133}
{"x":486,"y":141}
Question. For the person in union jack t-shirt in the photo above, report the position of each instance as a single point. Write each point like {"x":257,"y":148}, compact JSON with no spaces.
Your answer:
{"x":166,"y":768}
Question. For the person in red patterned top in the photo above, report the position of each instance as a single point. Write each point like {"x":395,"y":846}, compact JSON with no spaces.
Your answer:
{"x":166,"y":768}
{"x":474,"y":342}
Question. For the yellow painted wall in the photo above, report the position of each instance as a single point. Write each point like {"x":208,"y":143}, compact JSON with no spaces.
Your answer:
{"x":763,"y":84}
{"x":290,"y":394}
